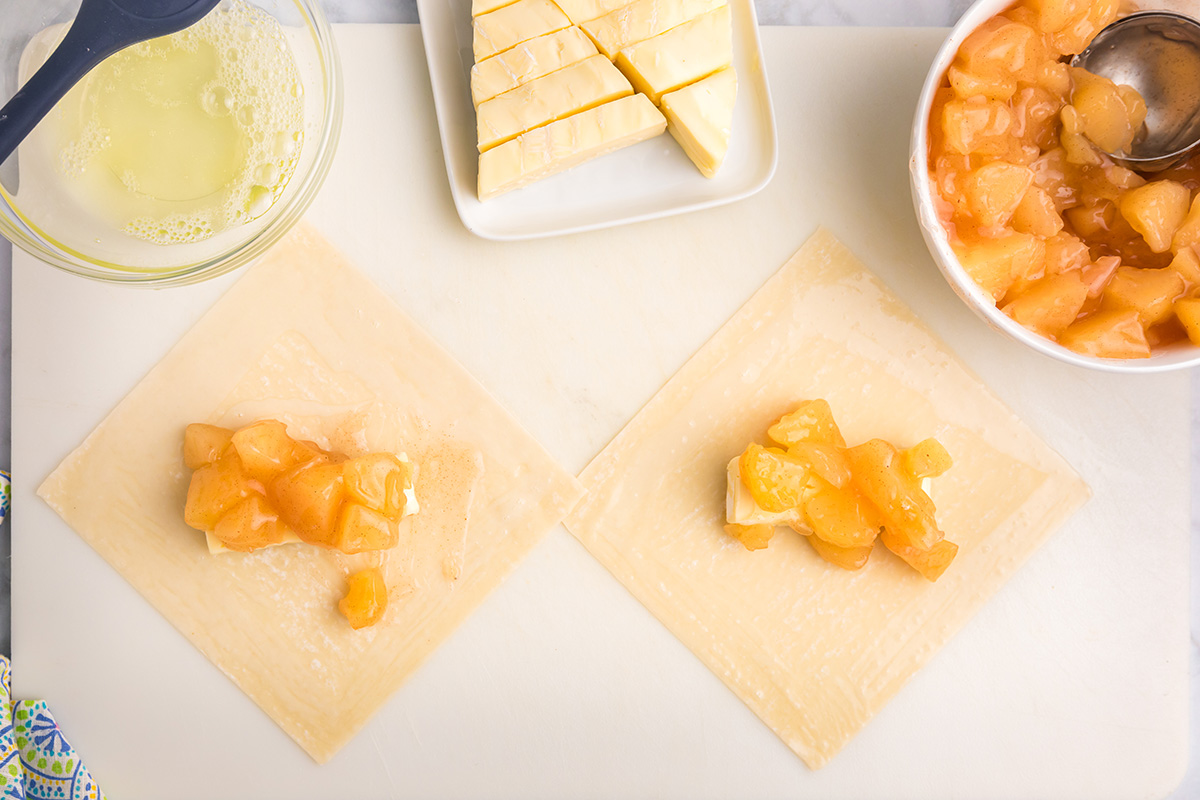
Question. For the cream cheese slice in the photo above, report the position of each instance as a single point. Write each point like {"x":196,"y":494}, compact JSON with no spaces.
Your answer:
{"x":507,"y":27}
{"x":643,"y":19}
{"x":741,"y":508}
{"x":682,"y":55}
{"x":487,"y":6}
{"x":568,"y":143}
{"x":411,"y":506}
{"x":587,"y":84}
{"x":529,"y":61}
{"x":584,"y":10}
{"x":700,"y":117}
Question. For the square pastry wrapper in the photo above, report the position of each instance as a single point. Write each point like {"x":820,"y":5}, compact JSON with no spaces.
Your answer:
{"x":813,"y":650}
{"x":306,"y":338}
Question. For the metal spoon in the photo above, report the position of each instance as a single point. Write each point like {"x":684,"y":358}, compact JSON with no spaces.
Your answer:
{"x":101,"y":28}
{"x":1158,"y":54}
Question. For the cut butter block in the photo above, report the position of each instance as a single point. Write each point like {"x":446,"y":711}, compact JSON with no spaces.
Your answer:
{"x":680,"y":56}
{"x":510,"y":25}
{"x":643,"y":19}
{"x":700,"y":117}
{"x":740,"y":507}
{"x":584,"y":10}
{"x":567,"y":143}
{"x":813,"y":650}
{"x":529,"y":61}
{"x":576,"y":88}
{"x":486,"y":6}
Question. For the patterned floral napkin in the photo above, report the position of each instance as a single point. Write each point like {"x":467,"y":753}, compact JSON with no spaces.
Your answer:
{"x":36,"y":762}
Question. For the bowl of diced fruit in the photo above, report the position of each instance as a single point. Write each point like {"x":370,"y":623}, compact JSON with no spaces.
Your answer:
{"x":1038,"y":229}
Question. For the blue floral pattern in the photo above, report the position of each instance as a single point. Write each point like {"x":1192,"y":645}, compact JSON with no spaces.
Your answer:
{"x":36,"y":761}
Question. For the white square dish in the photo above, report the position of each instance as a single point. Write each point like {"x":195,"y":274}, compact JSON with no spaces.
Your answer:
{"x":649,"y":180}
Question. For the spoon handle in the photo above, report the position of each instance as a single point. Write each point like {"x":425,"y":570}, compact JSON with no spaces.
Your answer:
{"x":90,"y":40}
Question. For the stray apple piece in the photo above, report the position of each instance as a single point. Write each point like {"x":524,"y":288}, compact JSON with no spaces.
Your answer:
{"x":214,"y":489}
{"x":812,"y":421}
{"x":930,"y":563}
{"x":204,"y":444}
{"x":851,"y":558}
{"x":361,"y":529}
{"x":754,"y":537}
{"x":927,"y":459}
{"x":250,"y":525}
{"x":776,"y":480}
{"x":308,"y":498}
{"x":266,"y":449}
{"x":366,"y":598}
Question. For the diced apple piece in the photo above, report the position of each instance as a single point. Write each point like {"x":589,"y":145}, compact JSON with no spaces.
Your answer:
{"x":905,"y":508}
{"x":308,"y":498}
{"x":1188,"y":311}
{"x":1053,"y":15}
{"x":977,"y":125}
{"x":824,"y":460}
{"x":967,"y":84}
{"x":1051,"y":175}
{"x":250,"y":525}
{"x":377,"y":481}
{"x":812,"y":421}
{"x":1076,"y":146}
{"x":851,"y":558}
{"x":1156,"y":211}
{"x":1065,"y":252}
{"x":366,"y":598}
{"x":1110,"y":115}
{"x":1088,"y":19}
{"x":1002,"y":48}
{"x":926,"y":459}
{"x":1048,"y":306}
{"x":994,"y":191}
{"x":266,"y":449}
{"x":204,"y":444}
{"x":842,"y":517}
{"x":1149,"y":292}
{"x":1188,"y":234}
{"x":1036,"y":214}
{"x":214,"y":489}
{"x":995,"y":263}
{"x":1187,"y":264}
{"x":1096,"y":276}
{"x":1108,"y":334}
{"x":360,"y":529}
{"x":754,"y":537}
{"x":776,"y":480}
{"x":1092,"y":220}
{"x":930,"y":563}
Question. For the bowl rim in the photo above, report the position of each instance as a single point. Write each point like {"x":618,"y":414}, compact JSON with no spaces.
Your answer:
{"x":18,"y":229}
{"x":937,"y":239}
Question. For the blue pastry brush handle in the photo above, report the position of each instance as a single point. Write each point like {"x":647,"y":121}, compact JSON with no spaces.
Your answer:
{"x":92,"y":38}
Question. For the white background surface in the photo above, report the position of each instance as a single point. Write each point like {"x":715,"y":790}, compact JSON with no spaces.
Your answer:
{"x":831,"y":12}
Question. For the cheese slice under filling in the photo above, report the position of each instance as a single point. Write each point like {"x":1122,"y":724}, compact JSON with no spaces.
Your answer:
{"x":411,"y":506}
{"x":700,"y":117}
{"x":682,"y":55}
{"x":507,"y":27}
{"x":567,"y":143}
{"x":529,"y":61}
{"x":643,"y":19}
{"x":576,"y":88}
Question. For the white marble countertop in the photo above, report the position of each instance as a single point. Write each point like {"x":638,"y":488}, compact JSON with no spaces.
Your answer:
{"x":913,"y":13}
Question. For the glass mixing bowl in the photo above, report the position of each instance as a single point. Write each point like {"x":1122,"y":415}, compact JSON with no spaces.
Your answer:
{"x":35,"y":219}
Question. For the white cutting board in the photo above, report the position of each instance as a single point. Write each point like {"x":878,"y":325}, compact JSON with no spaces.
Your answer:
{"x":1071,"y":683}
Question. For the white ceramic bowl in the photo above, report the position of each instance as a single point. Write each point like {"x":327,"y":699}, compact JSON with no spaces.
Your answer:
{"x":1175,"y":356}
